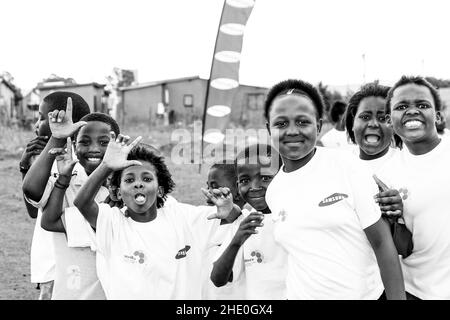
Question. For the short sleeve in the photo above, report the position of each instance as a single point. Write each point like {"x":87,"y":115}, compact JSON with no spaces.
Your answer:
{"x":104,"y":228}
{"x":363,"y":188}
{"x":78,"y":230}
{"x":45,"y":196}
{"x":48,"y":189}
{"x":197,"y":218}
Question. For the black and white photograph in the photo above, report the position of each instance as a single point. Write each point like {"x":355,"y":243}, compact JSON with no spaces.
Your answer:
{"x":227,"y":155}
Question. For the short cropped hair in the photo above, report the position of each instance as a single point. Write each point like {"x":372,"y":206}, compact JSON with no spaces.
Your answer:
{"x":145,"y":152}
{"x":101,"y":117}
{"x":337,"y":110}
{"x":300,"y":86}
{"x":258,"y":150}
{"x":404,"y":80}
{"x":228,"y":169}
{"x":373,"y":89}
{"x":58,"y":101}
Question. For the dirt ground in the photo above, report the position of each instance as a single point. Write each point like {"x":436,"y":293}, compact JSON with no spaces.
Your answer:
{"x":16,"y":227}
{"x":16,"y":231}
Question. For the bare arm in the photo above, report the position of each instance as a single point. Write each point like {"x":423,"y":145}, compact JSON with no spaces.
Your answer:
{"x":33,"y":149}
{"x":222,"y":271}
{"x":51,"y":214}
{"x":391,"y":273}
{"x":61,"y":125}
{"x":85,"y":199}
{"x":36,"y":179}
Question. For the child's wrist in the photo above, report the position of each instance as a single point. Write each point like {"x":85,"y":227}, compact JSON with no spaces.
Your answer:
{"x":64,"y":178}
{"x":63,"y":182}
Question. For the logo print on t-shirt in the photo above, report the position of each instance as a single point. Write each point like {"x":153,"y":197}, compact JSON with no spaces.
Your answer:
{"x":335,"y":197}
{"x":281,"y":216}
{"x":255,"y":255}
{"x":140,"y":255}
{"x":182,"y":252}
{"x":403,"y":193}
{"x":74,"y":277}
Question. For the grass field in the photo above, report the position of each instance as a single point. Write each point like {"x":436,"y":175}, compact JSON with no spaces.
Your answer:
{"x":16,"y":227}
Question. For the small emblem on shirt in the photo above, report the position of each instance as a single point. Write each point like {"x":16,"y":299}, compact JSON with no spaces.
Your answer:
{"x":255,"y":256}
{"x":140,"y":256}
{"x":182,"y":252}
{"x":73,"y":277}
{"x":281,"y":216}
{"x":403,"y":193}
{"x":137,"y":257}
{"x":335,"y":197}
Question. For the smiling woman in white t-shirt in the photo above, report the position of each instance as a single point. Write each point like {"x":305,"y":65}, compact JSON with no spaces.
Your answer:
{"x":329,"y":224}
{"x":421,"y":169}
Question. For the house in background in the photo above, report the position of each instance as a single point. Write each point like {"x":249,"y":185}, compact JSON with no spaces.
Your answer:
{"x":93,"y":93}
{"x":10,"y":97}
{"x":30,"y":108}
{"x":182,"y":101}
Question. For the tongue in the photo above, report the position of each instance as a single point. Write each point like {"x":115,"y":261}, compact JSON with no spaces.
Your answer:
{"x":140,"y":199}
{"x":372,"y":139}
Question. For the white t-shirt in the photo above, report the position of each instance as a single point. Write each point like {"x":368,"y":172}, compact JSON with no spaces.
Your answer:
{"x":42,"y":253}
{"x":335,"y":138}
{"x":234,"y":291}
{"x":376,"y":165}
{"x":160,"y":259}
{"x":75,"y":273}
{"x":260,"y":263}
{"x":424,"y":178}
{"x":323,"y":209}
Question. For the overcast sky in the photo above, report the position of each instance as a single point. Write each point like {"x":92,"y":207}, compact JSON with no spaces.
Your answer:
{"x":320,"y":40}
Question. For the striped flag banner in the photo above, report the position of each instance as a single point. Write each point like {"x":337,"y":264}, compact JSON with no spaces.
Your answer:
{"x":223,"y":82}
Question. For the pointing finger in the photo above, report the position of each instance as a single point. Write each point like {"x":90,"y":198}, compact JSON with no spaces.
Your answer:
{"x":135,"y":142}
{"x":69,"y":109}
{"x":69,"y":147}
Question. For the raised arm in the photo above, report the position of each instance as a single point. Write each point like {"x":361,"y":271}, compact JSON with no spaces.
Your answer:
{"x":391,"y":273}
{"x":222,"y":271}
{"x":115,"y":159}
{"x":51,"y":214}
{"x":61,"y":126}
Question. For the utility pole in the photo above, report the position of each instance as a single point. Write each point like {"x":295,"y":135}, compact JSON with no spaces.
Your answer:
{"x":364,"y":67}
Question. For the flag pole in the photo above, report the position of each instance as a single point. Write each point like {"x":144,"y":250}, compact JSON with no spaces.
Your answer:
{"x":207,"y":92}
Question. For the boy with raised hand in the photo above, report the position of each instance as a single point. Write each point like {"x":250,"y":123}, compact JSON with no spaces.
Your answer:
{"x":222,"y":174}
{"x":250,"y":256}
{"x":150,"y":248}
{"x":42,"y":259}
{"x":75,"y":276}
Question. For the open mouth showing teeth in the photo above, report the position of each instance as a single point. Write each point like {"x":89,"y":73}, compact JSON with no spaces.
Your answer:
{"x":94,"y":159}
{"x":371,"y":138}
{"x":413,"y":124}
{"x":139,"y":198}
{"x":293,"y":143}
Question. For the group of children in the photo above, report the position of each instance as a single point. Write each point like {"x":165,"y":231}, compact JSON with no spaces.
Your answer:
{"x":284,"y":220}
